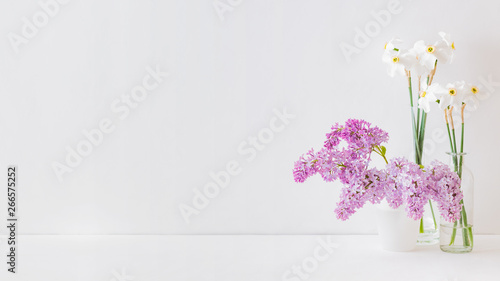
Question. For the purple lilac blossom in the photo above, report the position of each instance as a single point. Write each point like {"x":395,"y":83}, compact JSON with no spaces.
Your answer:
{"x":357,"y":192}
{"x":446,"y":190}
{"x":306,"y":166}
{"x":412,"y":181}
{"x":401,"y":182}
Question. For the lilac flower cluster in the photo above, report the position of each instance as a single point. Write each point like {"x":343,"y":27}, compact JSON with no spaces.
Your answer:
{"x":358,"y":134}
{"x":410,"y":186}
{"x":335,"y":163}
{"x":414,"y":186}
{"x":446,"y":190}
{"x":401,"y":182}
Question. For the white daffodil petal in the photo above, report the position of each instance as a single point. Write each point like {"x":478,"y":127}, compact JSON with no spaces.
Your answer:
{"x":423,"y":84}
{"x":423,"y":103}
{"x":417,"y":67}
{"x":451,"y":85}
{"x":420,"y":46}
{"x":444,"y":101}
{"x":400,"y":69}
{"x":386,"y":58}
{"x":428,"y":60}
{"x":407,"y":59}
{"x":443,"y":53}
{"x":392,"y":43}
{"x":469,"y":92}
{"x":440,"y":94}
{"x":473,"y":104}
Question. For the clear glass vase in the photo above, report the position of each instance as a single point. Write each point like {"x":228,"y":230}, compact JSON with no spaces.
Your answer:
{"x":458,"y":237}
{"x":428,"y":233}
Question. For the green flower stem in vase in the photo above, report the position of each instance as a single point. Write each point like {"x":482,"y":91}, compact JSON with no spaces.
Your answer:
{"x":428,"y":231}
{"x":462,"y":227}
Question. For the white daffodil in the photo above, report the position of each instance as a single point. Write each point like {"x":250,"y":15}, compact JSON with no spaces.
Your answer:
{"x":472,"y":96}
{"x":428,"y":95}
{"x":451,"y":45}
{"x":418,"y":68}
{"x":452,"y":96}
{"x":392,"y":44}
{"x":398,"y":61}
{"x":442,"y":51}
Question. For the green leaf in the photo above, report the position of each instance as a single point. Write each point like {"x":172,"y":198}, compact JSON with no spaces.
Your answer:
{"x":383,"y":150}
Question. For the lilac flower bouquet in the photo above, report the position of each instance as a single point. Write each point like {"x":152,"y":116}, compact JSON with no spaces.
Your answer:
{"x":346,"y":156}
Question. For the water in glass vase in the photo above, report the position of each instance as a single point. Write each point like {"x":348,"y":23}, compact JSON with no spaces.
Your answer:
{"x":429,"y":225}
{"x":458,"y":237}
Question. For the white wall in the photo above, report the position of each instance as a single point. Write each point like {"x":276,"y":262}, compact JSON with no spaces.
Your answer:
{"x":226,"y":78}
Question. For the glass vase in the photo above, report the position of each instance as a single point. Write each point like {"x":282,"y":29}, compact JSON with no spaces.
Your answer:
{"x":428,"y":233}
{"x":458,"y":237}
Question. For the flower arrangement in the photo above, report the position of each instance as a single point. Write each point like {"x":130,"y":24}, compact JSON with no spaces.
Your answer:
{"x":346,"y":156}
{"x":347,"y":151}
{"x":421,"y":61}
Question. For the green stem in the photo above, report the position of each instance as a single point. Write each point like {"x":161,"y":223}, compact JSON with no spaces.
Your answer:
{"x":411,"y":94}
{"x":463,"y":222}
{"x":449,"y":136}
{"x":455,"y":147}
{"x":433,"y":217}
{"x":454,"y":233}
{"x":451,"y":144}
{"x":467,"y":230}
{"x":418,"y":119}
{"x":413,"y":123}
{"x":378,"y":150}
{"x":420,"y":144}
{"x":453,"y":151}
{"x":422,"y":133}
{"x":461,"y":152}
{"x":418,"y":129}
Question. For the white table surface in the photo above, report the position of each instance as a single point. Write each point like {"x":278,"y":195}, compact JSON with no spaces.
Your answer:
{"x":241,"y":257}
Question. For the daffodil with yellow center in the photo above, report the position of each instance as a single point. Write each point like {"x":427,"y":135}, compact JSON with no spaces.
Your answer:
{"x":397,"y":60}
{"x":391,"y":45}
{"x":428,"y":95}
{"x":428,"y":54}
{"x":452,"y":95}
{"x":473,"y":96}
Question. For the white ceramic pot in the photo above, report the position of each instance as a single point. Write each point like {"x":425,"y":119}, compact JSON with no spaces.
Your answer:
{"x":397,"y":232}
